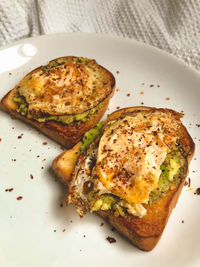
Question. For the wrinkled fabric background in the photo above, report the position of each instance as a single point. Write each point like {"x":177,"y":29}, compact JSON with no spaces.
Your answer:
{"x":172,"y":25}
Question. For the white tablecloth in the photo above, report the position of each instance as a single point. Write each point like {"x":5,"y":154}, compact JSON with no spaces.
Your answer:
{"x":172,"y":25}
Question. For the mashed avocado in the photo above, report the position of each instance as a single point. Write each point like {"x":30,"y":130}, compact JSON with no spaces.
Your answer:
{"x":64,"y":119}
{"x":90,"y":136}
{"x":172,"y":170}
{"x":107,"y":202}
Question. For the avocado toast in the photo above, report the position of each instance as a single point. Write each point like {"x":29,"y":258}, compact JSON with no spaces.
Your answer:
{"x":62,"y":99}
{"x":130,"y":171}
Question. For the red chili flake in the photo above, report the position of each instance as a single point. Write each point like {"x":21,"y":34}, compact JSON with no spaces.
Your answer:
{"x":158,"y":85}
{"x":102,"y":224}
{"x":167,"y":98}
{"x":0,"y":139}
{"x":19,"y":198}
{"x":9,"y":189}
{"x":62,"y":148}
{"x":198,"y":125}
{"x":20,"y":136}
{"x":43,"y":159}
{"x":111,"y":239}
{"x":44,"y":143}
{"x":64,"y":230}
{"x":117,"y":72}
{"x":151,"y":85}
{"x":117,"y":89}
{"x":31,"y":176}
{"x":128,"y":95}
{"x":185,"y":183}
{"x":117,"y":107}
{"x":182,"y":221}
{"x":141,"y":92}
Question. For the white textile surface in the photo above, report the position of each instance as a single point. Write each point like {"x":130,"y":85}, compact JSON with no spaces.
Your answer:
{"x":172,"y":25}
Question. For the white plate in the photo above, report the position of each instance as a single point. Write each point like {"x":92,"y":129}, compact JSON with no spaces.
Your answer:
{"x":27,"y":226}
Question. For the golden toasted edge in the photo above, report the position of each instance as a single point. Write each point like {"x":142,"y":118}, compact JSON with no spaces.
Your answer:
{"x":143,"y":232}
{"x":64,"y":164}
{"x":116,"y":114}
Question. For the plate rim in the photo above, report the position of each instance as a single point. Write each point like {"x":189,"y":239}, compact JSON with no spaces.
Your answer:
{"x":111,"y":37}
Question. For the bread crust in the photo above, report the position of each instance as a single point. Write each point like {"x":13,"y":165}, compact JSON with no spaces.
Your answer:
{"x":66,"y":135}
{"x":145,"y":232}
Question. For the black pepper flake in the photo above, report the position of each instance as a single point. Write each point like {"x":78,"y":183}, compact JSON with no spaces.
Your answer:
{"x":197,"y":192}
{"x":111,"y":239}
{"x":102,"y":224}
{"x":198,"y":125}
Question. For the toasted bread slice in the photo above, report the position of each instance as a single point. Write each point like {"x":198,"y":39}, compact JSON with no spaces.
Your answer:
{"x":63,"y":99}
{"x":146,"y":230}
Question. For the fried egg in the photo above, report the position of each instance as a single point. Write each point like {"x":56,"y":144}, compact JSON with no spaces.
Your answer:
{"x":65,"y":86}
{"x":131,"y":152}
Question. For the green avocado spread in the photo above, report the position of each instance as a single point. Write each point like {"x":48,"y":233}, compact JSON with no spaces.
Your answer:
{"x":172,"y":169}
{"x":22,"y":108}
{"x":90,"y":136}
